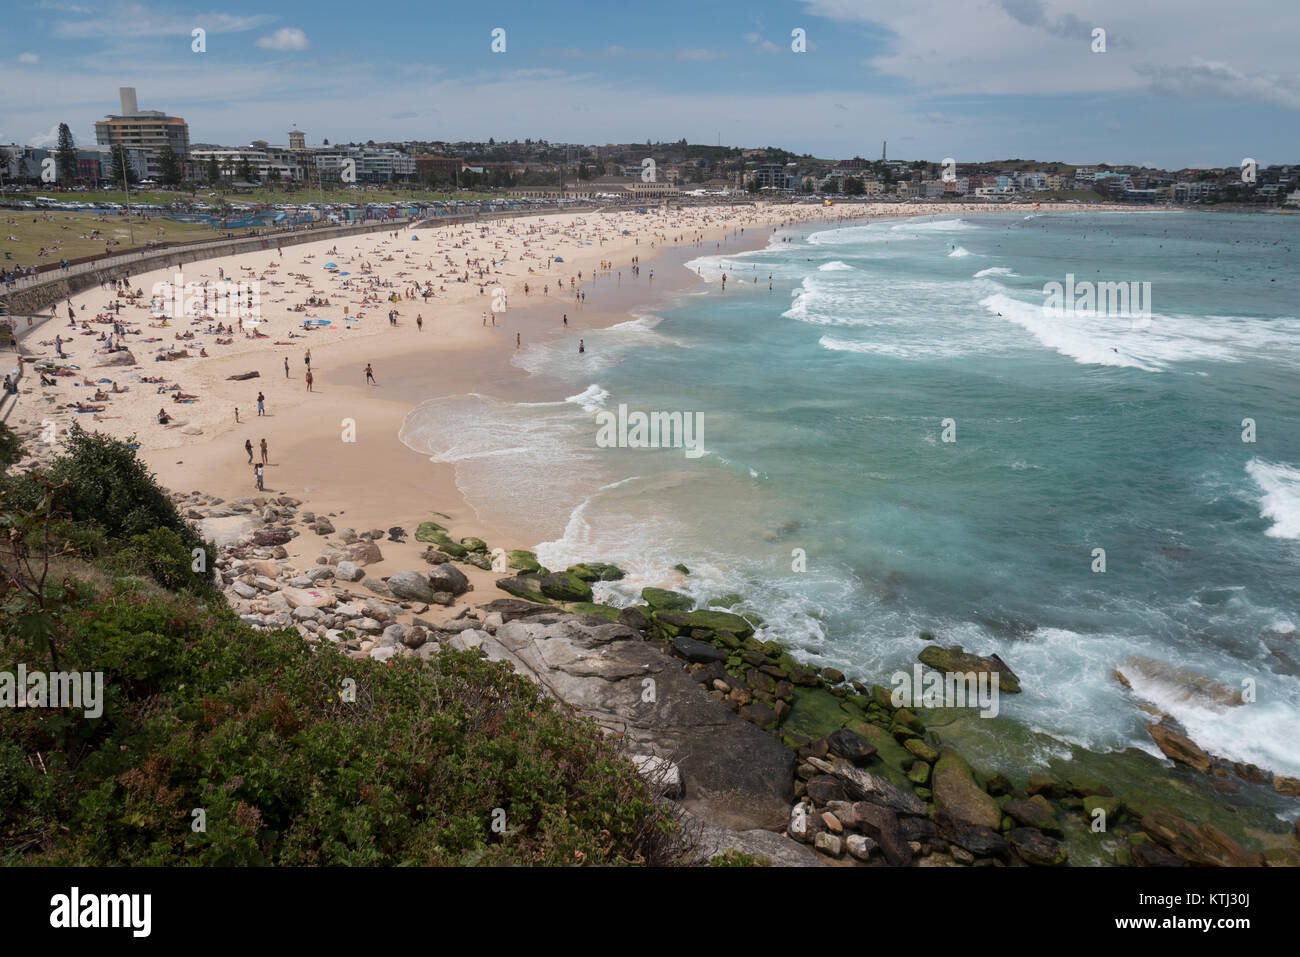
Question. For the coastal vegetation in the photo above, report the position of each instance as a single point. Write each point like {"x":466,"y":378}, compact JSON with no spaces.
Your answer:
{"x":221,"y":744}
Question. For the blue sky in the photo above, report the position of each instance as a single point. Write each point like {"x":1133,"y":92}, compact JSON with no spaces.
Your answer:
{"x":1181,"y":82}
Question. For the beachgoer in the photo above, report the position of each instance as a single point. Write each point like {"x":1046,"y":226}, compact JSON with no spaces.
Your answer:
{"x":581,"y":347}
{"x":264,"y":462}
{"x":286,"y":367}
{"x":248,"y":447}
{"x":309,"y":380}
{"x":370,"y":375}
{"x":261,"y":404}
{"x":257,"y":474}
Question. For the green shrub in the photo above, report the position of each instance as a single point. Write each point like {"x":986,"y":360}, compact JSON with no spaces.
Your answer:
{"x":201,"y":711}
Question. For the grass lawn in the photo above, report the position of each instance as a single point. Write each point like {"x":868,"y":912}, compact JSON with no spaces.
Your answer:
{"x":62,"y":234}
{"x":260,"y":195}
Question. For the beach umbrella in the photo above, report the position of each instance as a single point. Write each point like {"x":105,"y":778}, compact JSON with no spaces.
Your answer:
{"x":345,"y":273}
{"x":331,"y":266}
{"x":559,"y":259}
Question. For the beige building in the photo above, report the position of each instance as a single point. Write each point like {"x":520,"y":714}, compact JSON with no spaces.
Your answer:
{"x":146,"y":130}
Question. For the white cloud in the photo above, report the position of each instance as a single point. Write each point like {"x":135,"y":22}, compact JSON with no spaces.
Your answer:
{"x":1037,"y":47}
{"x":751,"y":37}
{"x":767,"y":46}
{"x":698,"y":55}
{"x":44,"y":139}
{"x":1203,"y":78}
{"x":137,"y":20}
{"x":286,"y":38}
{"x":28,"y":58}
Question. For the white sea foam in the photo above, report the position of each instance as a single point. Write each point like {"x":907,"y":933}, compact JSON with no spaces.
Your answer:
{"x":959,"y":252}
{"x":996,"y":271}
{"x":934,"y":226}
{"x":1148,"y":344}
{"x":590,"y":399}
{"x":834,"y":266}
{"x":1280,"y":498}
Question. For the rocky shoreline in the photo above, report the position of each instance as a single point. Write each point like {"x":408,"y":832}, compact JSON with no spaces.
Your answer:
{"x":763,"y":755}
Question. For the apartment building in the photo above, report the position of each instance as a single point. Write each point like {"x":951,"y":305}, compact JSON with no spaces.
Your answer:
{"x":148,"y":131}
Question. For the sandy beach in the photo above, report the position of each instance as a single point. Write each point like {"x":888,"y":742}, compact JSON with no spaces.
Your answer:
{"x":336,"y":447}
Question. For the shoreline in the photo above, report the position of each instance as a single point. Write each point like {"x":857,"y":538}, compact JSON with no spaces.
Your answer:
{"x":376,"y":479}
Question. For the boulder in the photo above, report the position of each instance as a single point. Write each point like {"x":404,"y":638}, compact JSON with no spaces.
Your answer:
{"x":522,"y":560}
{"x":430,"y":532}
{"x":693,"y":650}
{"x":735,"y":775}
{"x":956,"y":791}
{"x":522,"y":586}
{"x":273,"y":535}
{"x":448,"y":578}
{"x":1035,"y":812}
{"x":349,"y":572}
{"x":956,"y":660}
{"x":850,"y":745}
{"x":413,"y":586}
{"x":1179,"y":747}
{"x":1036,"y":848}
{"x":881,"y":825}
{"x":309,"y":597}
{"x":863,"y":785}
{"x":978,"y":840}
{"x":563,"y":586}
{"x":1202,"y":844}
{"x":362,"y":553}
{"x":713,"y":621}
{"x":660,"y":599}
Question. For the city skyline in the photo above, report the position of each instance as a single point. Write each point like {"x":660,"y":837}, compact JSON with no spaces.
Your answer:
{"x":1019,"y":80}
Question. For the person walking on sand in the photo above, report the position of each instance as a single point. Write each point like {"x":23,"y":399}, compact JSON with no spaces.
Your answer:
{"x":261,"y":404}
{"x":370,"y":375}
{"x":248,"y":447}
{"x":566,"y":319}
{"x":308,"y":380}
{"x":264,"y":461}
{"x":257,"y":474}
{"x":236,"y":415}
{"x":419,"y":323}
{"x":307,"y":359}
{"x":286,"y":367}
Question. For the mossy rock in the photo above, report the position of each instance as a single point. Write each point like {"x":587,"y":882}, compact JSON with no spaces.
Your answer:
{"x":608,"y":612}
{"x":758,"y":621}
{"x":524,"y":586}
{"x":919,"y":773}
{"x":883,"y":697}
{"x":729,"y":600}
{"x":430,"y":532}
{"x":676,"y":622}
{"x":596,"y":571}
{"x":815,"y":713}
{"x":1110,"y":806}
{"x":523,"y":560}
{"x":661,"y":599}
{"x":682,"y":568}
{"x":565,"y":587}
{"x":925,"y":794}
{"x":474,"y":544}
{"x":454,"y":549}
{"x":478,"y":560}
{"x":922,"y":750}
{"x":726,"y":639}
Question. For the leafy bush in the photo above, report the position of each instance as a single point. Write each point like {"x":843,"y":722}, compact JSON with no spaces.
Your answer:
{"x":201,"y":711}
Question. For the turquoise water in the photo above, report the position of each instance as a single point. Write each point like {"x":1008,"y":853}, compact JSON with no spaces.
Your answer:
{"x":823,"y":404}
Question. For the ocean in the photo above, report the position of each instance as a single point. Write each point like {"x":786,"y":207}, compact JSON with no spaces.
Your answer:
{"x":899,"y":438}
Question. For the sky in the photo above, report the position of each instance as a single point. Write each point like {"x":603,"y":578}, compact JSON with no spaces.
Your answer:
{"x":1178,"y":83}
